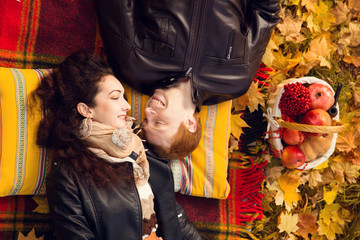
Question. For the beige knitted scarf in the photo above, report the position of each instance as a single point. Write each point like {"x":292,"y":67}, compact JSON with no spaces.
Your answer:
{"x":122,"y":145}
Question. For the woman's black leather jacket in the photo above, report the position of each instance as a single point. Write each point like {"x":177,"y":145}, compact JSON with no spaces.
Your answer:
{"x":82,"y":211}
{"x":150,"y":41}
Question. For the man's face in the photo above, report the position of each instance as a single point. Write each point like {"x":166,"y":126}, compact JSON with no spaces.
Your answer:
{"x":164,"y":112}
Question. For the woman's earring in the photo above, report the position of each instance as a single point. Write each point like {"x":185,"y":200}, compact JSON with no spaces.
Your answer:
{"x":85,"y":128}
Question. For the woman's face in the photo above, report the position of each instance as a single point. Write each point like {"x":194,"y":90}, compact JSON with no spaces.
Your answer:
{"x":110,"y":105}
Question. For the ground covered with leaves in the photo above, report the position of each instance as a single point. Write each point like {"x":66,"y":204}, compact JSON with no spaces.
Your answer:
{"x":321,"y":39}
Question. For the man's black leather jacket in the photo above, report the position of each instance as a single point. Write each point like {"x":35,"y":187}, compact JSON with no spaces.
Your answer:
{"x":82,"y":211}
{"x":150,"y":41}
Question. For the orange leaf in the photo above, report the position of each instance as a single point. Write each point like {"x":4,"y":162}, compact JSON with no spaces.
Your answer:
{"x":354,"y":4}
{"x":349,"y":141}
{"x":290,"y":28}
{"x":352,"y":60}
{"x":307,"y":225}
{"x":340,"y":12}
{"x":319,"y":50}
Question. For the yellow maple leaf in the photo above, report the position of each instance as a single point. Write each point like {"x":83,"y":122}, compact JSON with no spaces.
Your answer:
{"x":289,"y":182}
{"x":332,"y":219}
{"x":319,"y":50}
{"x":283,"y":64}
{"x":339,"y":158}
{"x":251,"y":99}
{"x":323,"y":165}
{"x":31,"y":236}
{"x":330,"y":195}
{"x":309,"y":19}
{"x":237,"y":123}
{"x":268,"y":57}
{"x":293,"y":2}
{"x":256,"y":98}
{"x":42,"y":203}
{"x":323,"y":17}
{"x":288,"y":222}
{"x":290,"y":28}
{"x":329,"y":230}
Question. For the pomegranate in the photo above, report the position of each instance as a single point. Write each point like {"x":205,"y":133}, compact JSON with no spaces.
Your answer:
{"x":321,"y":96}
{"x":316,"y":117}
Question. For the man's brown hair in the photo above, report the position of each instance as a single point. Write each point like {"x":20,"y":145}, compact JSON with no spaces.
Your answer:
{"x":183,"y":142}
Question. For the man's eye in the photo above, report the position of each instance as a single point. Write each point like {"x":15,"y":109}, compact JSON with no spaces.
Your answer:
{"x":157,"y":123}
{"x":115,"y":98}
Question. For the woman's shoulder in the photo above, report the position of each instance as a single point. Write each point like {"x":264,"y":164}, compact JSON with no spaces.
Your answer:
{"x":60,"y":171}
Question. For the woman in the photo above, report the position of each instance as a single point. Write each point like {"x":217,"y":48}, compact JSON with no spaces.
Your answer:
{"x":98,"y":185}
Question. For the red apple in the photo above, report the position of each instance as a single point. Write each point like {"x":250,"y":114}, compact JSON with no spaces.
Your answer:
{"x":321,"y":96}
{"x":292,"y":157}
{"x":293,"y":137}
{"x":316,"y":117}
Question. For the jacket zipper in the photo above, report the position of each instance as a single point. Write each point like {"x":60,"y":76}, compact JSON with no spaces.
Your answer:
{"x":194,"y":52}
{"x":231,"y":44}
{"x":138,"y":201}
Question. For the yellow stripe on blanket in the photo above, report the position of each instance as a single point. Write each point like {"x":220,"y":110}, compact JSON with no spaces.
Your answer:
{"x":204,"y":172}
{"x":22,"y":163}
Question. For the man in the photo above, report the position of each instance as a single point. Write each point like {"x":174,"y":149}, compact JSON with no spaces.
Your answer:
{"x":148,"y":43}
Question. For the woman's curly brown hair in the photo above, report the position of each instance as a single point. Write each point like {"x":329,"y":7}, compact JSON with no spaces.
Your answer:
{"x":75,"y":80}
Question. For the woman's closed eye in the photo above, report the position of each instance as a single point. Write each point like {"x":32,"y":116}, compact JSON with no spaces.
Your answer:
{"x":117,"y":97}
{"x":158,"y":123}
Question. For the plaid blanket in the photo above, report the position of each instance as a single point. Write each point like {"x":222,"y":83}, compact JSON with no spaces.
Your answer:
{"x":40,"y":34}
{"x":216,"y":219}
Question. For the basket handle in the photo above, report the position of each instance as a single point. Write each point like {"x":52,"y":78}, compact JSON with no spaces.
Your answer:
{"x":310,"y":128}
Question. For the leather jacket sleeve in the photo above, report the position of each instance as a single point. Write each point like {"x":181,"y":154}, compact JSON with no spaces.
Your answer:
{"x":187,"y":228}
{"x":172,"y":219}
{"x":264,"y":17}
{"x":65,"y":206}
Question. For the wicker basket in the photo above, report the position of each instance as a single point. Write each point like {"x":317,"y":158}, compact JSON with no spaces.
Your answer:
{"x":275,"y":122}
